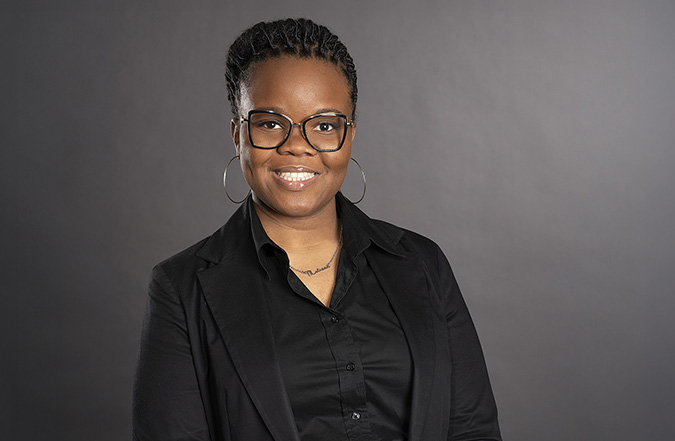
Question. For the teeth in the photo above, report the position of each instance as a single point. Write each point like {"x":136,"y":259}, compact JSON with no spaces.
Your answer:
{"x":295,"y":176}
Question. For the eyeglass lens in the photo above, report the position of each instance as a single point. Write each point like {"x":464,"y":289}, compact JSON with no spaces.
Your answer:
{"x":323,"y":132}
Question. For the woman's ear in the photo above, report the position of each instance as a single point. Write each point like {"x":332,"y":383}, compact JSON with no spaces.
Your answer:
{"x":235,"y":131}
{"x":353,"y":130}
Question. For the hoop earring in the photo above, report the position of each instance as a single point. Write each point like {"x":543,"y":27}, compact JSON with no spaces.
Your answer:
{"x":363,"y":177}
{"x":225,"y":182}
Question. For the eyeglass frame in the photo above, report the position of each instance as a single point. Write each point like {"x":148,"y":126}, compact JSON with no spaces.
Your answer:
{"x":301,"y":124}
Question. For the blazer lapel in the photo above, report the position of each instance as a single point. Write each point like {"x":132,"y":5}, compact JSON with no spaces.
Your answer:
{"x":404,"y":283}
{"x":234,"y":292}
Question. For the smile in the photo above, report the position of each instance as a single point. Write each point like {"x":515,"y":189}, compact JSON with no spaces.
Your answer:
{"x":296,"y":176}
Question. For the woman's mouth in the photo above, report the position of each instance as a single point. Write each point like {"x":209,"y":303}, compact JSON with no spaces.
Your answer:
{"x":296,"y":176}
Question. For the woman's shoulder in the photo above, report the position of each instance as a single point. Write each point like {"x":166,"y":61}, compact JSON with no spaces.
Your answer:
{"x":212,"y":249}
{"x":411,"y":241}
{"x":385,"y":233}
{"x":185,"y":263}
{"x":185,"y":256}
{"x":415,"y":245}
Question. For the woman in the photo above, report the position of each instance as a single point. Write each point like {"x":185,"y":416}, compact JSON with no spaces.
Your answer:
{"x":302,"y":318}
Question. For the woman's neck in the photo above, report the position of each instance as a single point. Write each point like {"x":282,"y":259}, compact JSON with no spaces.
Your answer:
{"x":300,"y":234}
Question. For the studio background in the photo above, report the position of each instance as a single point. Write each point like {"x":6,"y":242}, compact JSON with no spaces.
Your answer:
{"x":533,"y":140}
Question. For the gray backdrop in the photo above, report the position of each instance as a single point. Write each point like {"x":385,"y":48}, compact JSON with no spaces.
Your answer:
{"x":533,"y":140}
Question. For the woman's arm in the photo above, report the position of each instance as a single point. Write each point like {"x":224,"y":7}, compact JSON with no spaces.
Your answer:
{"x":473,"y":409}
{"x":167,"y":404}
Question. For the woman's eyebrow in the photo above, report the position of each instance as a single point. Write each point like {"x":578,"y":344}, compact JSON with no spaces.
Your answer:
{"x":316,"y":112}
{"x":270,"y":109}
{"x":328,"y":110}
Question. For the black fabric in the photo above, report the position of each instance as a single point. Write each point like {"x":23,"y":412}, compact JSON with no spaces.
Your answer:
{"x":208,"y":367}
{"x":346,"y":368}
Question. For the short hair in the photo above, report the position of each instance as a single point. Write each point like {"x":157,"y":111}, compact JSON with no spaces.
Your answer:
{"x":300,"y":37}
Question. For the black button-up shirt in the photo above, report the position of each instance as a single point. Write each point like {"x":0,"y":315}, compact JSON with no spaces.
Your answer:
{"x":347,"y":367}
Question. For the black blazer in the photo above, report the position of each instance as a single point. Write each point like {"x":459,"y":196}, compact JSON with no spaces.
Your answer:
{"x":207,"y":367}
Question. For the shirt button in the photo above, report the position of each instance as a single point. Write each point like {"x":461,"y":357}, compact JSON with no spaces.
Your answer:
{"x":356,"y":416}
{"x":350,"y":366}
{"x":335,"y":319}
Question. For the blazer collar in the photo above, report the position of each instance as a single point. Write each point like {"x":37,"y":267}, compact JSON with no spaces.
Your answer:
{"x":230,"y":237}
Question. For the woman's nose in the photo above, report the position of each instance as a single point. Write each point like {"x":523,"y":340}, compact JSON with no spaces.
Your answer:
{"x":296,"y":144}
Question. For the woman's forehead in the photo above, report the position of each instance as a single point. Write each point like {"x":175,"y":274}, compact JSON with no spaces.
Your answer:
{"x":293,"y":82}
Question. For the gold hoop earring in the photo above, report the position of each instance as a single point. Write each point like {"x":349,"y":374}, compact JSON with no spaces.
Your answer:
{"x":225,"y":182}
{"x":363,"y":177}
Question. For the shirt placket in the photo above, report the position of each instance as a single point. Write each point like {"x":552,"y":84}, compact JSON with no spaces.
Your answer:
{"x":351,"y":382}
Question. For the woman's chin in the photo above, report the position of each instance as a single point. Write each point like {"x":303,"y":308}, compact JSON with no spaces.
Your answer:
{"x":294,"y":205}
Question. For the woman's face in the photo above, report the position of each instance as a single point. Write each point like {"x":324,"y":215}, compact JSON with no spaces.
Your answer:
{"x":294,"y":179}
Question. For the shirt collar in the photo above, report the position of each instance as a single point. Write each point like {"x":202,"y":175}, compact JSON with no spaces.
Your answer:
{"x":261,"y":240}
{"x":358,"y":233}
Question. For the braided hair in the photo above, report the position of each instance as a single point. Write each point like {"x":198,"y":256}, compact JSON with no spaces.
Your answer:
{"x":299,"y":37}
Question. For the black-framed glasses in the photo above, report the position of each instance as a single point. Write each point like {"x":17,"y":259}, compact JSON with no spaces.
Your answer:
{"x":325,"y":132}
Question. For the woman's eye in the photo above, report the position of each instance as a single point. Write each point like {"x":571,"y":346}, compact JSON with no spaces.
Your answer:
{"x":325,"y":127}
{"x":269,"y":125}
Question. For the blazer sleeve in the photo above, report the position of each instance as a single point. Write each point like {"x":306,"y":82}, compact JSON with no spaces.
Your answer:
{"x":167,"y":404}
{"x":473,"y":409}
